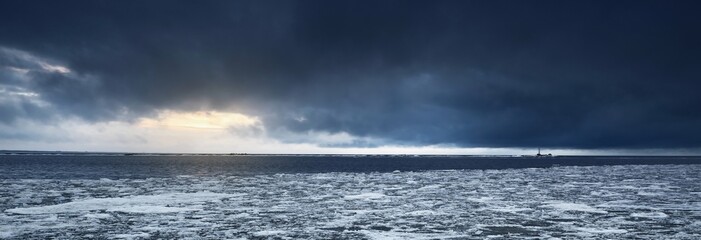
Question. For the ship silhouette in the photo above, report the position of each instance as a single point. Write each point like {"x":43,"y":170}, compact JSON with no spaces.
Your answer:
{"x":543,"y":155}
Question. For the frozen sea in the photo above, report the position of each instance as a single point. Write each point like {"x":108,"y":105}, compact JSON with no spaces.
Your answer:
{"x":288,"y":197}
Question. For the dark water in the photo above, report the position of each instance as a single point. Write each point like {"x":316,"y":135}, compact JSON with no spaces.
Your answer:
{"x":115,"y":167}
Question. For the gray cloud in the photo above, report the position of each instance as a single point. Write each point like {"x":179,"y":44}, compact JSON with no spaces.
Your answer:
{"x":593,"y":74}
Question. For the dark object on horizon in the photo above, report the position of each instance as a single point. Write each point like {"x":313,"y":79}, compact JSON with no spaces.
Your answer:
{"x":543,"y":155}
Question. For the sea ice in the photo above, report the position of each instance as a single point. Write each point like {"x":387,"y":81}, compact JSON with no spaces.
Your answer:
{"x":601,"y":231}
{"x":132,"y":204}
{"x":365,"y":196}
{"x":473,"y":204}
{"x":575,"y":207}
{"x":649,"y":215}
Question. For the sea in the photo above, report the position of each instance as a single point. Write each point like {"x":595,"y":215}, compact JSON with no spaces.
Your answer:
{"x":174,"y":196}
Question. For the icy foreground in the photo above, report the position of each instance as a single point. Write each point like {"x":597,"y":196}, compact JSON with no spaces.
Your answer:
{"x":612,"y":202}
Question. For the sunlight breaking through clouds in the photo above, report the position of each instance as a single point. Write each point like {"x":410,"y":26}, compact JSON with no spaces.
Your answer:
{"x":456,"y":75}
{"x":203,"y":120}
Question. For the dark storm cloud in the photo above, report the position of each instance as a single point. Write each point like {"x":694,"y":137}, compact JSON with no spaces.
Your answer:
{"x":571,"y":74}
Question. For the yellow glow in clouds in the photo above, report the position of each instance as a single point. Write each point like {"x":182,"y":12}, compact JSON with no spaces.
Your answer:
{"x":199,"y":120}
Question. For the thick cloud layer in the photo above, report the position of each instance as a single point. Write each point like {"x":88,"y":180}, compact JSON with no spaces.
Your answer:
{"x":575,"y":74}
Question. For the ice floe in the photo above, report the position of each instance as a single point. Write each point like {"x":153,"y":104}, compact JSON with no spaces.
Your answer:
{"x":601,"y":231}
{"x":650,"y":215}
{"x":365,"y":196}
{"x":575,"y":207}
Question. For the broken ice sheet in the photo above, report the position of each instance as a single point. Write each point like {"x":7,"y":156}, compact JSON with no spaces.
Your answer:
{"x":560,"y":202}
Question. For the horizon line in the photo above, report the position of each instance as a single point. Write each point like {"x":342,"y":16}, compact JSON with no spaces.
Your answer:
{"x":129,"y":153}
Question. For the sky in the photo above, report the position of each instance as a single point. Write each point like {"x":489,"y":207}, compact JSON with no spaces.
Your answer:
{"x":438,"y":77}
